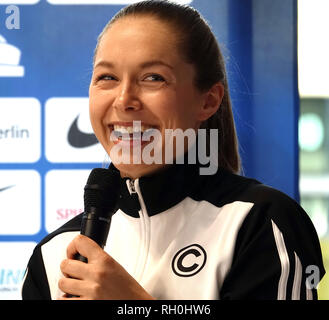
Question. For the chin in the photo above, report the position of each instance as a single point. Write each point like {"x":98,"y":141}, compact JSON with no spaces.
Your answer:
{"x":135,"y":171}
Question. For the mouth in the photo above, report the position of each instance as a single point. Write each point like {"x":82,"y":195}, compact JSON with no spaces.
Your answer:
{"x":132,"y":131}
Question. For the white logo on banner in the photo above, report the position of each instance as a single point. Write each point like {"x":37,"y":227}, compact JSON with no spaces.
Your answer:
{"x":9,"y":60}
{"x":69,"y":135}
{"x":64,"y":196}
{"x":14,"y":259}
{"x":19,"y":202}
{"x":20,"y":130}
{"x":113,"y":2}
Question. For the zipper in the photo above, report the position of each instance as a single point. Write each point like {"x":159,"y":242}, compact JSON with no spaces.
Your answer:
{"x":133,"y":187}
{"x":132,"y":191}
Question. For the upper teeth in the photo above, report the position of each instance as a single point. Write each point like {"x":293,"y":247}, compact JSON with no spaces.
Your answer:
{"x":132,"y":129}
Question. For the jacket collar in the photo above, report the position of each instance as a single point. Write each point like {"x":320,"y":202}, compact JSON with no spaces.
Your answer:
{"x":163,"y":189}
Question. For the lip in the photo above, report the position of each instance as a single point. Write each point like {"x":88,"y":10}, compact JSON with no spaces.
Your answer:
{"x":130,"y":124}
{"x":132,"y":142}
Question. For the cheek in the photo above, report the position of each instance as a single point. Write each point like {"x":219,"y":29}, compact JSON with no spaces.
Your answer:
{"x":97,"y":110}
{"x":93,"y":114}
{"x":167,"y":107}
{"x":175,"y":116}
{"x":182,"y":114}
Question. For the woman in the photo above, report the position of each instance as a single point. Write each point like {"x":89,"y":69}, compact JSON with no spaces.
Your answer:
{"x":177,"y":234}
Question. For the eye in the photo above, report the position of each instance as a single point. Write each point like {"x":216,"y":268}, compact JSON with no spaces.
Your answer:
{"x":105,"y":77}
{"x":154,"y":78}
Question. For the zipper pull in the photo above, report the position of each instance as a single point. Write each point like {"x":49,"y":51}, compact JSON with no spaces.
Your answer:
{"x":133,"y":193}
{"x":132,"y":186}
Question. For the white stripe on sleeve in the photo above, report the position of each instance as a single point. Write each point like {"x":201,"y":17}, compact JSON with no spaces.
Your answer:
{"x":284,"y":260}
{"x":297,"y":279}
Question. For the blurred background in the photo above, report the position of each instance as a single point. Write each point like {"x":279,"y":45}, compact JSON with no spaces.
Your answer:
{"x":276,"y":56}
{"x":313,"y":67}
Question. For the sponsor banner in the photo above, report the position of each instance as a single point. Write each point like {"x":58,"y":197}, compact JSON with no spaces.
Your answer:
{"x":113,"y":2}
{"x":20,"y":130}
{"x":69,"y":135}
{"x":19,"y":202}
{"x":9,"y":60}
{"x":14,"y":259}
{"x":64,"y":196}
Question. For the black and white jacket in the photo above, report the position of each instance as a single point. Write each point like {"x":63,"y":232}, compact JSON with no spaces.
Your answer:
{"x":183,"y":235}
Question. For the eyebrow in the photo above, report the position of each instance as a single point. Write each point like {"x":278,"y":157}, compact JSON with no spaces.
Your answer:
{"x":156,"y":62}
{"x":108,"y":64}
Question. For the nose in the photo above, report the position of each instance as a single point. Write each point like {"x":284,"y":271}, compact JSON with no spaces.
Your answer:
{"x":127,"y":97}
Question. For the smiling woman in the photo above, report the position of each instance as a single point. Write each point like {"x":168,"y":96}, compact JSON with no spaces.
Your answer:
{"x":175,"y":234}
{"x":167,"y":71}
{"x":144,"y":77}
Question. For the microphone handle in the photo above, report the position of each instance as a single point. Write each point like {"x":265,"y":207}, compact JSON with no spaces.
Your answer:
{"x":95,"y":227}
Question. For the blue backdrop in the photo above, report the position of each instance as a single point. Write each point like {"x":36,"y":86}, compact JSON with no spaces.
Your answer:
{"x":56,"y":43}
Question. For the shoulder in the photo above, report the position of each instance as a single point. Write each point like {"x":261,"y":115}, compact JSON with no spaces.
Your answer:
{"x":40,"y":281}
{"x":267,"y":204}
{"x":43,"y":268}
{"x":261,"y":193}
{"x":270,"y":210}
{"x":57,"y":240}
{"x":225,"y":187}
{"x":277,"y":208}
{"x":53,"y":246}
{"x":277,"y":219}
{"x":70,"y":226}
{"x":275,"y":244}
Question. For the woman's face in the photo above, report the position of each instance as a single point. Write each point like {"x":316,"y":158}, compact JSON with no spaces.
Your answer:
{"x":140,"y":76}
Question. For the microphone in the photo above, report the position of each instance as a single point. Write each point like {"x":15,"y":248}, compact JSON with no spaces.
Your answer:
{"x":101,"y":195}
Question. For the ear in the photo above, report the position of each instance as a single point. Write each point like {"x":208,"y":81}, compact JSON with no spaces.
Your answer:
{"x":212,"y":100}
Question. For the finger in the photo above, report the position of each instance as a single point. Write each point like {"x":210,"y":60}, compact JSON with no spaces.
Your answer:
{"x":84,"y":246}
{"x":73,"y":287}
{"x":74,"y":269}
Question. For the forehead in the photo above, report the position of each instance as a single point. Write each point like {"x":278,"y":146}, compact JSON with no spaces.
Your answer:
{"x":139,"y":36}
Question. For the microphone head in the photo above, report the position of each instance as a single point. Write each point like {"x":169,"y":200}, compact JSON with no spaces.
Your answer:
{"x":102,"y":191}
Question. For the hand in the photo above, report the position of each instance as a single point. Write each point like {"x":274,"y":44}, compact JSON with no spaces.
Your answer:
{"x":102,"y":278}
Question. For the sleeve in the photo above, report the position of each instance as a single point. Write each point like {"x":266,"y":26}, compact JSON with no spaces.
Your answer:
{"x":35,"y":284}
{"x":277,"y":252}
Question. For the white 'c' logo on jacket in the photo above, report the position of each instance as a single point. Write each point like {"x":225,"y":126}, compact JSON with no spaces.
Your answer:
{"x":189,"y":261}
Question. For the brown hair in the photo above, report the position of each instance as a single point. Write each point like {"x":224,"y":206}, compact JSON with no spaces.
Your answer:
{"x":200,"y":48}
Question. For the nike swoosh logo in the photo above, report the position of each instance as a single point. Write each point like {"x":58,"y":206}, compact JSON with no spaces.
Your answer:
{"x":6,"y":188}
{"x":79,"y":139}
